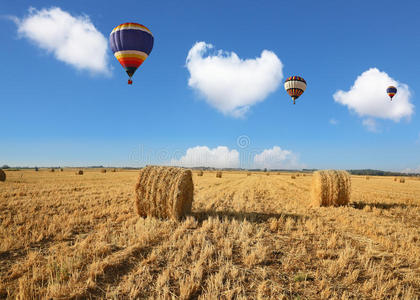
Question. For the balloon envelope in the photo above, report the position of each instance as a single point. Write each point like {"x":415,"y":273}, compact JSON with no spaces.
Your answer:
{"x":295,"y":86}
{"x":391,"y":91}
{"x":131,"y":44}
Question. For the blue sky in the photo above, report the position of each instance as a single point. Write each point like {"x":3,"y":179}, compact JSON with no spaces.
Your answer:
{"x":60,"y":113}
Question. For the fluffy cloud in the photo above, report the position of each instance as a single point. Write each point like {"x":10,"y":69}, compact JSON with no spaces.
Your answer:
{"x":276,"y":158}
{"x":230,"y":84}
{"x":368,"y":98}
{"x":202,"y":156}
{"x":73,"y":40}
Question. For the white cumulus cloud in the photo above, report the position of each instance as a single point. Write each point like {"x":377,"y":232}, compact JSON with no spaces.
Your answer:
{"x":231,"y":84}
{"x":73,"y":40}
{"x":367,"y":97}
{"x":203,"y":156}
{"x":276,"y":158}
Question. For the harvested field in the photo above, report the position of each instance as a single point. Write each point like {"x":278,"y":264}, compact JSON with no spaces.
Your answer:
{"x":249,"y":237}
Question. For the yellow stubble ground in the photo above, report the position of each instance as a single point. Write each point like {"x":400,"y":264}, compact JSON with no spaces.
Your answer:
{"x":249,"y":237}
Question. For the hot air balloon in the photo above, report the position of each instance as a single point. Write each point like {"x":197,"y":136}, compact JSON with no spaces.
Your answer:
{"x":295,"y":86}
{"x":391,"y":91}
{"x":131,"y":44}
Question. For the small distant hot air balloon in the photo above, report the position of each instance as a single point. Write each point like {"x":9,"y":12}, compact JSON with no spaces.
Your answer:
{"x":131,"y":44}
{"x":391,"y":91}
{"x":295,"y":86}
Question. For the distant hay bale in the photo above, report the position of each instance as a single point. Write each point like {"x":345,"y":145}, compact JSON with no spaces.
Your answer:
{"x":402,"y":180}
{"x":331,"y":188}
{"x":268,"y":174}
{"x":103,"y":171}
{"x":293,"y":177}
{"x":164,"y":192}
{"x":52,"y":170}
{"x":80,"y":172}
{"x":2,"y":175}
{"x":218,"y":174}
{"x":61,"y":169}
{"x":304,"y":174}
{"x":297,"y":175}
{"x":200,"y":173}
{"x":367,"y":177}
{"x":395,"y":179}
{"x":36,"y":169}
{"x":114,"y":170}
{"x":248,"y":174}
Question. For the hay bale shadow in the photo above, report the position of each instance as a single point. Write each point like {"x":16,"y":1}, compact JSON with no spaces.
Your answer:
{"x":253,"y":217}
{"x":362,"y":205}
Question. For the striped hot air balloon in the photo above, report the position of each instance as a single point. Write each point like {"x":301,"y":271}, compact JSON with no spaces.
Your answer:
{"x":131,"y":44}
{"x":295,"y":86}
{"x":391,"y":91}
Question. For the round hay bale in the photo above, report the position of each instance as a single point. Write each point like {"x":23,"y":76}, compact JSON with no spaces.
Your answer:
{"x":248,"y":174}
{"x":80,"y":172}
{"x":36,"y":169}
{"x":114,"y":170}
{"x":103,"y":171}
{"x":164,"y":192}
{"x":218,"y":174}
{"x":200,"y":173}
{"x":367,"y":177}
{"x":395,"y":179}
{"x":402,"y":180}
{"x":52,"y":170}
{"x":268,"y":174}
{"x":62,"y":170}
{"x":297,"y":175}
{"x":293,"y":177}
{"x":331,"y":188}
{"x":2,"y":175}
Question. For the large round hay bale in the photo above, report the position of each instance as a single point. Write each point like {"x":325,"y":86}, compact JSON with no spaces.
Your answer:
{"x":52,"y":170}
{"x":402,"y":180}
{"x":164,"y":192}
{"x":2,"y":175}
{"x":248,"y":174}
{"x":103,"y":171}
{"x":80,"y":172}
{"x":293,"y":176}
{"x":218,"y":174}
{"x":200,"y":173}
{"x":331,"y":188}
